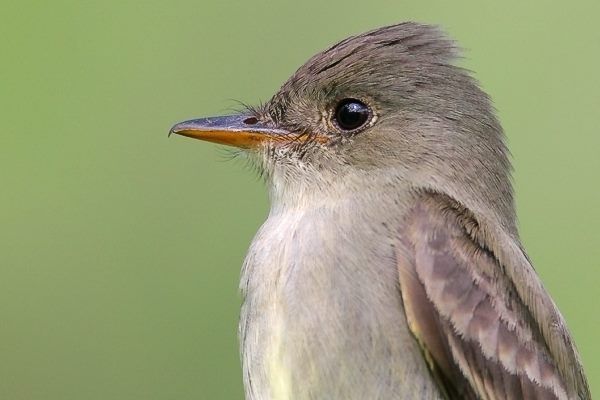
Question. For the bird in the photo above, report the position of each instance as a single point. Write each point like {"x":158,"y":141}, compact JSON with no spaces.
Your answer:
{"x":390,"y":264}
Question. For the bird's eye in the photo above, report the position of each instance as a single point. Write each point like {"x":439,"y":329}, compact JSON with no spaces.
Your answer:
{"x":351,"y":114}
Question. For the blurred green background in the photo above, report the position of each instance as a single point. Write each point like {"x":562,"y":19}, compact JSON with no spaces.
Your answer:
{"x":120,"y":249}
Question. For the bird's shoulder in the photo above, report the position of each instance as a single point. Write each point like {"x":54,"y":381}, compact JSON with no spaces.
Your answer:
{"x":487,"y":326}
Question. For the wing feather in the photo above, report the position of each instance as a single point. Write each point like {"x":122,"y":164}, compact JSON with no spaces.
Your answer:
{"x":480,"y":336}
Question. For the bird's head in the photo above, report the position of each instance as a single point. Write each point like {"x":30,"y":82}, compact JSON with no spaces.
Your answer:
{"x":387,"y":103}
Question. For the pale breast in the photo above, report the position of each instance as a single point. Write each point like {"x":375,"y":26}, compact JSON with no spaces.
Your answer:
{"x":322,"y":315}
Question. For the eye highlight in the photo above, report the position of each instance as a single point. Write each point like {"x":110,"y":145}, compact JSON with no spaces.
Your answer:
{"x":351,"y":114}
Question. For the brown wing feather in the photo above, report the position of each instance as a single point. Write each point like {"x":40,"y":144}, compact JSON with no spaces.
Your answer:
{"x":479,"y":336}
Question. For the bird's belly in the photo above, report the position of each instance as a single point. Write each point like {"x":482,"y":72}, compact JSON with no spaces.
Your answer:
{"x":322,"y":316}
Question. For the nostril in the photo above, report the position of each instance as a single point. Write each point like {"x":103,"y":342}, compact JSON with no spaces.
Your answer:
{"x":251,"y":121}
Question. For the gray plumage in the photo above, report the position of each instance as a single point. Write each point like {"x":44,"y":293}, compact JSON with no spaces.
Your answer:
{"x":390,"y":265}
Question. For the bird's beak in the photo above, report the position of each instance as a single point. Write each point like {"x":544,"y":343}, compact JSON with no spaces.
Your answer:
{"x":244,"y":131}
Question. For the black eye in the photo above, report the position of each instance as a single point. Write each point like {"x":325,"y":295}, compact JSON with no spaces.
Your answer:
{"x":351,"y":114}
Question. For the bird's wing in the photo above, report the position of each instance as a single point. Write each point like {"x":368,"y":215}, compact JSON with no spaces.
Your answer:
{"x":487,"y":327}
